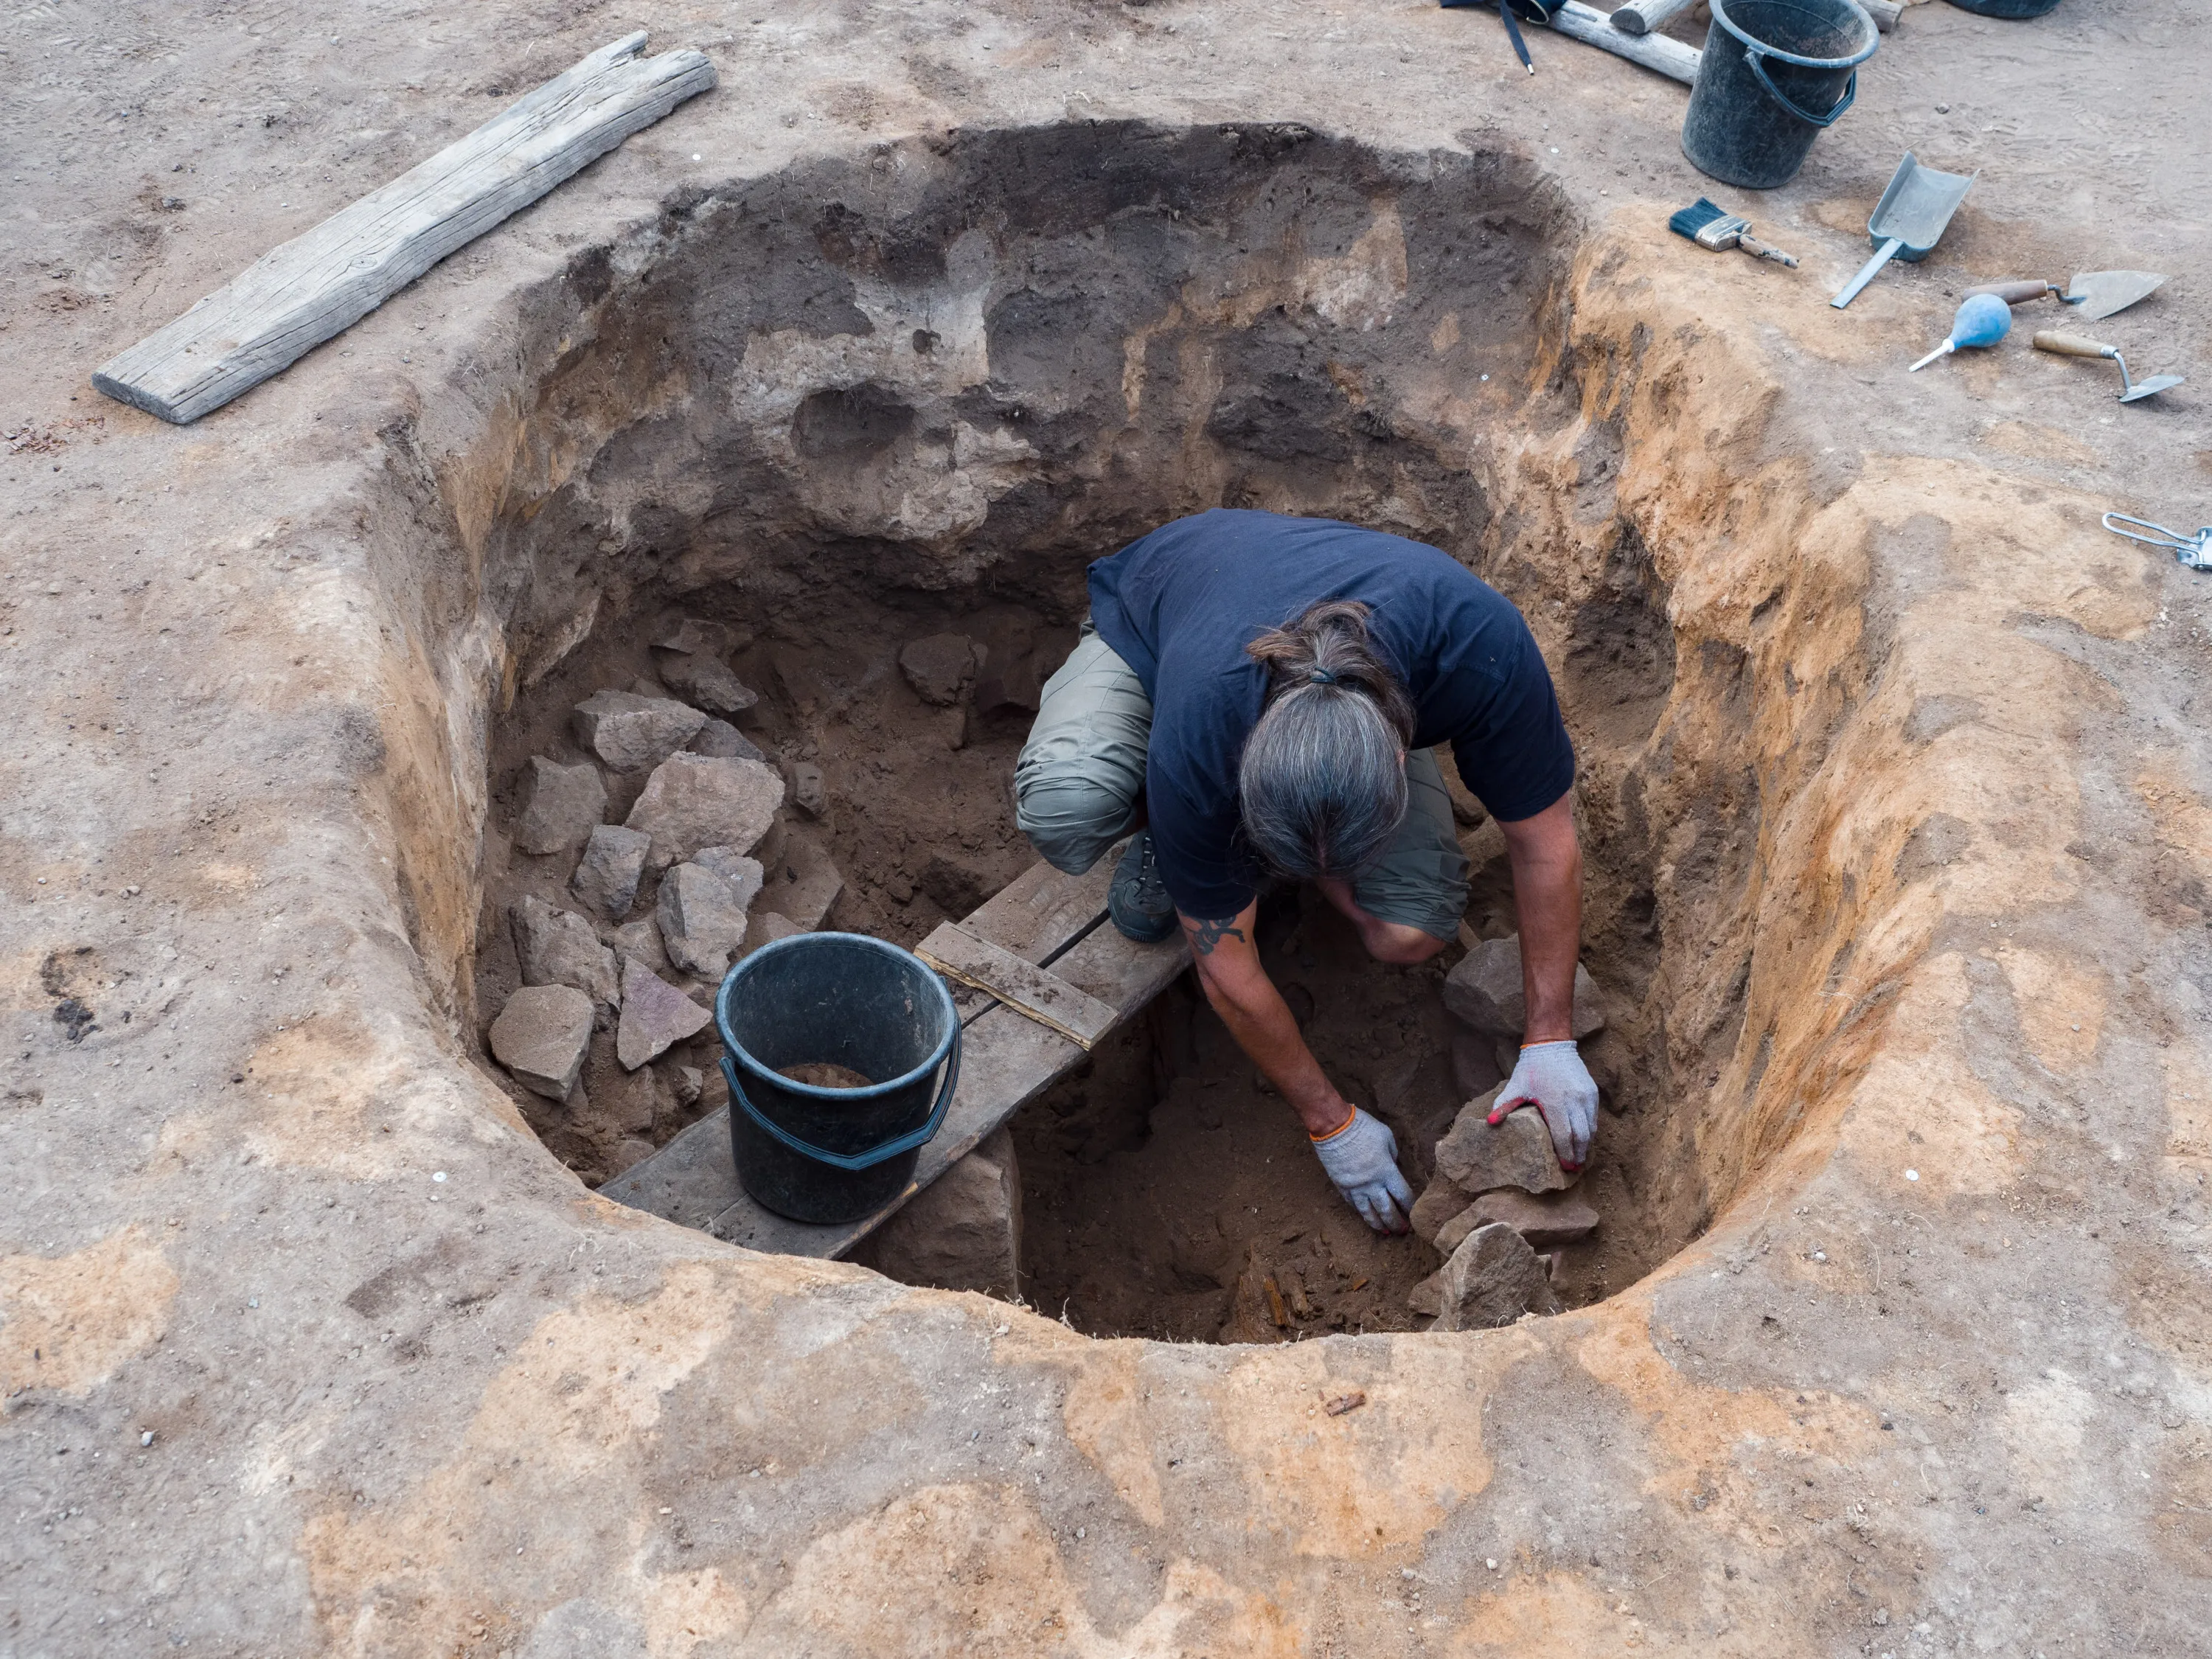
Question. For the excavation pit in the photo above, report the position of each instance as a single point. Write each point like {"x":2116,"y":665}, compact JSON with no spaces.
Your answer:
{"x":865,"y":423}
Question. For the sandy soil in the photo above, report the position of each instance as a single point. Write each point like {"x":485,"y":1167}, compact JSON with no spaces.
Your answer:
{"x":1932,"y":1379}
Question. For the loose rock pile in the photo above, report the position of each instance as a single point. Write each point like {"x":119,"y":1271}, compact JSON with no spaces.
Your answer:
{"x":706,"y":854}
{"x":1499,"y":1195}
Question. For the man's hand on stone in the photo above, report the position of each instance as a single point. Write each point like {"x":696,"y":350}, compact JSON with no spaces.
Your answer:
{"x":1551,"y":1078}
{"x":1362,"y":1159}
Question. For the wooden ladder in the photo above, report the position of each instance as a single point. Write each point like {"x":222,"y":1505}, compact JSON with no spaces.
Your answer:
{"x":1011,"y":1050}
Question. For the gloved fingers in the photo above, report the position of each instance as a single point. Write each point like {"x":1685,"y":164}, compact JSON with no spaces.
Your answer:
{"x":1569,"y":1144}
{"x":1400,"y":1193}
{"x":1363,"y":1201}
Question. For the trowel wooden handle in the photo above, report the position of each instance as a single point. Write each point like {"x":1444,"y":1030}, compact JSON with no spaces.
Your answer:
{"x":2013,"y":294}
{"x":2071,"y":345}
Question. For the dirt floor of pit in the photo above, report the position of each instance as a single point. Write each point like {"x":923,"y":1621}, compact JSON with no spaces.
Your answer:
{"x":1163,"y":1181}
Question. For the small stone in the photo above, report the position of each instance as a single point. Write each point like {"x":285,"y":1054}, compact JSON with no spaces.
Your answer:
{"x":1427,"y":1297}
{"x":705,"y":680}
{"x":655,"y":1016}
{"x":1491,"y":1279}
{"x":640,"y":939}
{"x":744,"y":875}
{"x":1485,"y":991}
{"x":565,"y":802}
{"x":607,"y":875}
{"x":1438,"y":1203}
{"x":700,"y":921}
{"x":810,"y":791}
{"x":1019,"y":685}
{"x":941,"y":668}
{"x":963,"y":1230}
{"x":1546,"y":1222}
{"x":541,"y":1037}
{"x":692,"y":637}
{"x":630,"y":732}
{"x":767,"y":929}
{"x":1477,"y":1158}
{"x":722,"y":741}
{"x":803,"y":881}
{"x":693,"y":801}
{"x":689,"y":1081}
{"x":558,"y":947}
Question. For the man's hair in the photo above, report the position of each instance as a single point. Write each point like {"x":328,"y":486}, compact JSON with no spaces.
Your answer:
{"x":1321,"y":784}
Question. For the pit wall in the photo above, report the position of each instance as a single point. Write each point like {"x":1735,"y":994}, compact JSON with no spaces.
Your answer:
{"x":1774,"y":824}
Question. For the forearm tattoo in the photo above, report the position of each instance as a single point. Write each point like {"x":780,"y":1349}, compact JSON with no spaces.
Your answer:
{"x":1205,"y":935}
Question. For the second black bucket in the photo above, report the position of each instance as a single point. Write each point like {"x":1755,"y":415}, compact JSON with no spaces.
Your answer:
{"x":1774,"y":73}
{"x":2006,"y":8}
{"x":824,"y":1154}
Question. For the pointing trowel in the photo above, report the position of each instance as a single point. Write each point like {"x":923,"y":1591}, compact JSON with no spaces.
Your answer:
{"x":2098,"y":293}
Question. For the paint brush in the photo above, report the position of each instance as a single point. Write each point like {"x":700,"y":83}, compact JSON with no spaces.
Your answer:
{"x":1711,"y":227}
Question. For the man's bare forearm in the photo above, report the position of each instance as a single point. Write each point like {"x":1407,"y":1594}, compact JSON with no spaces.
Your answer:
{"x":1548,"y":896}
{"x":1238,"y":989}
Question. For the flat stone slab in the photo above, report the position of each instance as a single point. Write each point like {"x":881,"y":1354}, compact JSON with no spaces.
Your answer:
{"x":655,"y":1016}
{"x":1485,"y":990}
{"x":608,"y":873}
{"x":1476,"y":1158}
{"x":1492,"y":1278}
{"x":701,"y":922}
{"x":692,"y":801}
{"x":566,"y":802}
{"x":559,"y":947}
{"x":541,"y":1037}
{"x":629,"y":731}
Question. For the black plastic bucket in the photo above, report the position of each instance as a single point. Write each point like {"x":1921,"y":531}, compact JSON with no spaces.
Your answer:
{"x":2006,"y":7}
{"x":1773,"y":74}
{"x":816,"y":1154}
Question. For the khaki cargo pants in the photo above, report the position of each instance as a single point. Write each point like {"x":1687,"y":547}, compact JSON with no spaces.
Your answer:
{"x":1081,"y":775}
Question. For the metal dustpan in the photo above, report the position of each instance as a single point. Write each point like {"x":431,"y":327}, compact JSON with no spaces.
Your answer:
{"x":1910,"y":219}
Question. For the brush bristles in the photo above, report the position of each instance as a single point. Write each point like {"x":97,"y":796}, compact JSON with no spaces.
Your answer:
{"x":1694,"y":218}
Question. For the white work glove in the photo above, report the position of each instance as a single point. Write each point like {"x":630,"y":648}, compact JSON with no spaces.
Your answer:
{"x":1362,"y":1159}
{"x":1551,"y":1078}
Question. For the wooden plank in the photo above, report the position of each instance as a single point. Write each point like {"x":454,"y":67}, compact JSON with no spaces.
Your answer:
{"x":1642,"y":16}
{"x":1037,"y":914}
{"x":1008,"y":1059}
{"x":1662,"y":52}
{"x":314,"y":286}
{"x":1037,"y":992}
{"x":690,"y":1181}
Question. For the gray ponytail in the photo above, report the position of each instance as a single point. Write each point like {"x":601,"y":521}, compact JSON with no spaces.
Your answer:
{"x":1323,"y":784}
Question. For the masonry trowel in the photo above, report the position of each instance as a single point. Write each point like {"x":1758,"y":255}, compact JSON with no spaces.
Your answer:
{"x":2096,"y":293}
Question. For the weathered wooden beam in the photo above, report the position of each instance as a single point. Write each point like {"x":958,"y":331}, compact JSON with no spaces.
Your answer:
{"x":318,"y":285}
{"x":1037,"y":992}
{"x":1662,"y":52}
{"x":1643,"y":16}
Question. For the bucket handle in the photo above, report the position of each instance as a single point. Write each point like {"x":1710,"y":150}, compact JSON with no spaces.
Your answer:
{"x":869,"y":1159}
{"x":1756,"y":58}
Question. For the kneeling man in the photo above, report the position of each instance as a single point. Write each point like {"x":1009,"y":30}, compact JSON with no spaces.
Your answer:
{"x":1258,"y":696}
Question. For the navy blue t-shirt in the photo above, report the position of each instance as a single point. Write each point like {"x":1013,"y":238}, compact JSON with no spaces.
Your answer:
{"x":1180,"y":605}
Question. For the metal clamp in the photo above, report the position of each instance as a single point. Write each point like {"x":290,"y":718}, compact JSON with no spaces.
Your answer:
{"x":2194,"y":551}
{"x":1757,"y":60}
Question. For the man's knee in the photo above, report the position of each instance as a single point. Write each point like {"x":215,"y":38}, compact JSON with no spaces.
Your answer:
{"x":1402,"y":946}
{"x":1069,"y":817}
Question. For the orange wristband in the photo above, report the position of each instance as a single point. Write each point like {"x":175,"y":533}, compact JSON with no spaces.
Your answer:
{"x":1337,"y":1131}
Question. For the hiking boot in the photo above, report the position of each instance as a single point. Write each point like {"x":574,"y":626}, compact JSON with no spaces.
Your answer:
{"x":1138,"y":901}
